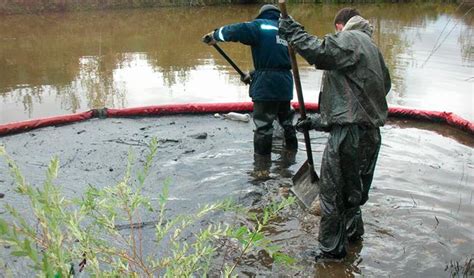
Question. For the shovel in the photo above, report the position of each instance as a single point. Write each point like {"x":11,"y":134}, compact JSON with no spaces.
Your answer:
{"x":244,"y":77}
{"x":305,"y":181}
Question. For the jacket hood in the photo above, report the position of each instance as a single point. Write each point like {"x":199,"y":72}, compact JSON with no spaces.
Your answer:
{"x":359,"y":23}
{"x":269,"y":14}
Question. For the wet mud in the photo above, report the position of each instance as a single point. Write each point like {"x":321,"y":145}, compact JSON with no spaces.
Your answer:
{"x":418,"y":221}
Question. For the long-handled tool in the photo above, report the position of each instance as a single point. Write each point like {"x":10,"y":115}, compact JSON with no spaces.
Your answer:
{"x":244,"y":77}
{"x":305,"y":181}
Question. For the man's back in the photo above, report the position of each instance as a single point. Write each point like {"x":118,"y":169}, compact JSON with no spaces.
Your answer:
{"x":272,"y":79}
{"x":268,"y":50}
{"x":271,"y":85}
{"x":355,"y":91}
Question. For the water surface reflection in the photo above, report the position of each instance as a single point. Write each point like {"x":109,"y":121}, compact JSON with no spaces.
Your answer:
{"x":62,"y":63}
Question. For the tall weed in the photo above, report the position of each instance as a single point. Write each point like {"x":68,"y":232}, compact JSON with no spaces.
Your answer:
{"x":62,"y":237}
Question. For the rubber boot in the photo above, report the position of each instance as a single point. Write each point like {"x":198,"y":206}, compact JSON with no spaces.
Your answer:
{"x":261,"y":169}
{"x":291,"y":143}
{"x":354,"y":224}
{"x":320,"y":256}
{"x":262,"y":144}
{"x":286,"y":121}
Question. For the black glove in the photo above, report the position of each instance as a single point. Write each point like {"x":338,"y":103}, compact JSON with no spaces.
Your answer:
{"x":312,"y":122}
{"x":209,"y":38}
{"x":245,"y":78}
{"x":287,"y":28}
{"x":303,"y":125}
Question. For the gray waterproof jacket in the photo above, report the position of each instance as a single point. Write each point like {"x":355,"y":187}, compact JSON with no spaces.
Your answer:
{"x":356,"y":79}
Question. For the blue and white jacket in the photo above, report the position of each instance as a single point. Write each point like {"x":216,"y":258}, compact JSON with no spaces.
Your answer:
{"x":272,"y":79}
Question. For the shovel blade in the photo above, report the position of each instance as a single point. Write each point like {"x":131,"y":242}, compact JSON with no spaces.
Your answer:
{"x":305,"y":185}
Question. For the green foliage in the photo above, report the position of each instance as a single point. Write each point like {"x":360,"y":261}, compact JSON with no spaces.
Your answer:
{"x":254,"y":238}
{"x":61,"y":236}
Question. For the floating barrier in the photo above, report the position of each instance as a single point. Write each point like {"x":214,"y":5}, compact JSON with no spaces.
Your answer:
{"x":208,"y":108}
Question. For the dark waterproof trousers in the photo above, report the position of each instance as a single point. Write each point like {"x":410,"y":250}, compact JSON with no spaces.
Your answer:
{"x":346,"y":176}
{"x":264,"y":113}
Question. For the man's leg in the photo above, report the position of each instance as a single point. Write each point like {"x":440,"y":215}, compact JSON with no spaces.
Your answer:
{"x":346,"y":175}
{"x":371,"y":146}
{"x":332,"y":231}
{"x":351,"y":155}
{"x":286,"y":114}
{"x":264,"y":113}
{"x":354,"y":224}
{"x":359,"y":156}
{"x":261,"y":168}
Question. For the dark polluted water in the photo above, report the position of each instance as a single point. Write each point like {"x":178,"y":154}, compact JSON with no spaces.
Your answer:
{"x":418,"y":221}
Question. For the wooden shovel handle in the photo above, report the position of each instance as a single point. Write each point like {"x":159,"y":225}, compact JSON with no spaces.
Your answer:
{"x":299,"y":93}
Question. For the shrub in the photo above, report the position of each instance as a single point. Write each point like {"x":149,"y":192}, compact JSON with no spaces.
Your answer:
{"x":63,"y":236}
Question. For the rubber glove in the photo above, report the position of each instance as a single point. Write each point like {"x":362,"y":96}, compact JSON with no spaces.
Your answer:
{"x":209,"y":38}
{"x":287,"y":27}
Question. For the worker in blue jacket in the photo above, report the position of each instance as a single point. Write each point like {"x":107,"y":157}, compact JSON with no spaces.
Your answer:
{"x":271,"y":85}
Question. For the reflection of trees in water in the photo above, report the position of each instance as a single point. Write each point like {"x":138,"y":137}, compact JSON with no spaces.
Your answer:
{"x":28,"y":96}
{"x":43,"y":53}
{"x":96,"y":80}
{"x":30,"y":56}
{"x":391,"y":33}
{"x":389,"y":22}
{"x":175,"y":75}
{"x":68,"y":98}
{"x":395,"y":47}
{"x":77,"y":53}
{"x":465,"y":40}
{"x":47,"y":50}
{"x":466,"y":34}
{"x":178,"y":50}
{"x":418,"y":16}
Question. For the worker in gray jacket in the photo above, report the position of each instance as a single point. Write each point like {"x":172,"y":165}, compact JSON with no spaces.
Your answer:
{"x":352,"y":108}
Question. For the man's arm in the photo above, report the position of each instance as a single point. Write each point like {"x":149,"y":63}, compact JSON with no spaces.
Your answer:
{"x":386,"y":75}
{"x":312,"y":122}
{"x":245,"y":33}
{"x":328,"y":53}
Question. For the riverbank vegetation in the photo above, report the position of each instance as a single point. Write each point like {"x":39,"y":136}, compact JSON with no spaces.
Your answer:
{"x":33,"y":6}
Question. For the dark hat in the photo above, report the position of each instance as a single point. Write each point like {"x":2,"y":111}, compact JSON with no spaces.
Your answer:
{"x":267,"y":7}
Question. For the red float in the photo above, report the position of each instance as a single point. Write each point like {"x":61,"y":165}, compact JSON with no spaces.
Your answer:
{"x":207,"y":108}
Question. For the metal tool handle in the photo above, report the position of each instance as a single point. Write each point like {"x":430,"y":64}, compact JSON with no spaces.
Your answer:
{"x":299,"y":93}
{"x":243,"y":76}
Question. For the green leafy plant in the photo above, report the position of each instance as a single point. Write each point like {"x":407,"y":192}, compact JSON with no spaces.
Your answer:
{"x":62,"y":236}
{"x":253,"y":238}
